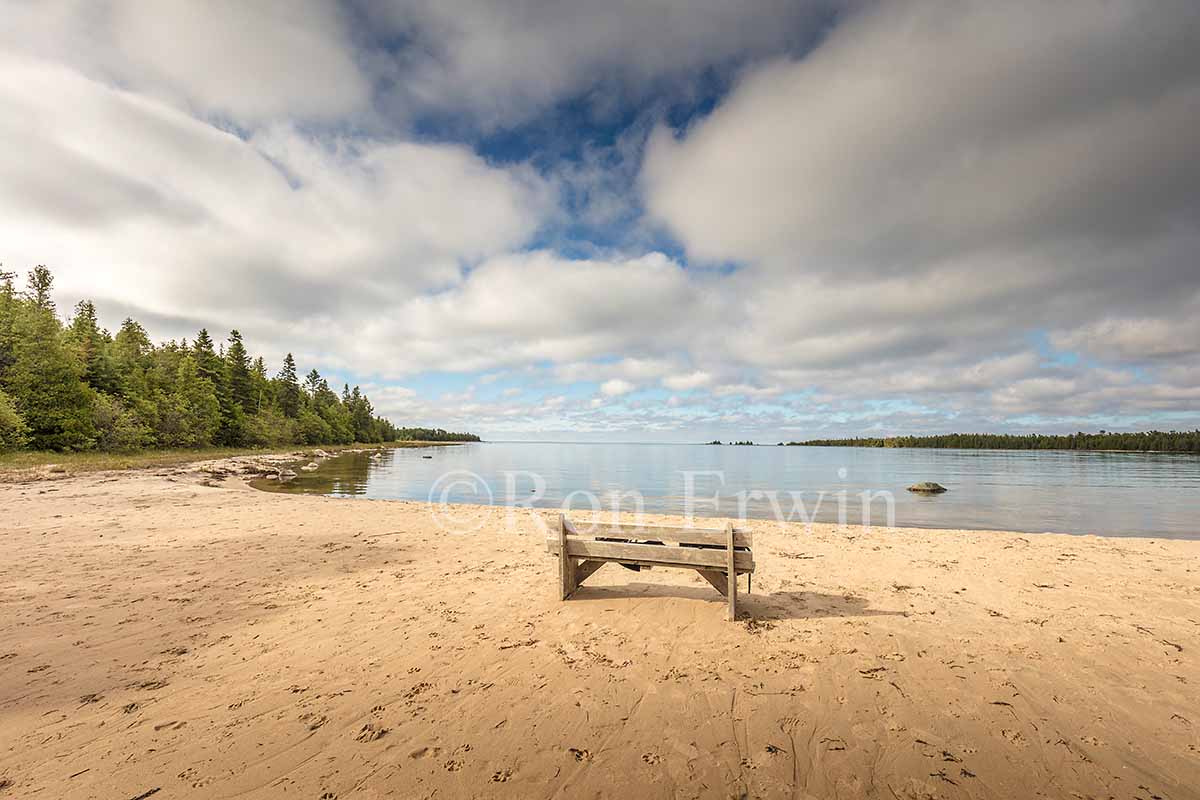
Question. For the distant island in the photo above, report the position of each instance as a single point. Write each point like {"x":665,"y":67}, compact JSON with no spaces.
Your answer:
{"x":433,"y":435}
{"x":1146,"y":441}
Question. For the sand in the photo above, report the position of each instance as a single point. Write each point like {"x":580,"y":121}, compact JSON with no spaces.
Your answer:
{"x":174,"y":634}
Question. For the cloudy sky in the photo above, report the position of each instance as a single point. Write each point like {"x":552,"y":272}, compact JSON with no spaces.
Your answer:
{"x":654,"y":220}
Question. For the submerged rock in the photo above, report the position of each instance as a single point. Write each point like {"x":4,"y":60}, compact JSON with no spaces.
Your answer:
{"x":927,"y":487}
{"x":309,"y":467}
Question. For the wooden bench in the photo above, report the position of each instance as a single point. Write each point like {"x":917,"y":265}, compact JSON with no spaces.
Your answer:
{"x":718,"y":554}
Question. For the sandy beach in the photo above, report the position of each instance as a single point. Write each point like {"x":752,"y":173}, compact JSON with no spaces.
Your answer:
{"x":174,"y":633}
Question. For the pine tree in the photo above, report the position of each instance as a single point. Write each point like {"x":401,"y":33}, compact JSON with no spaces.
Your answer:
{"x":92,"y":345}
{"x":14,"y":433}
{"x":208,"y":365}
{"x":260,"y":387}
{"x":361,"y":416}
{"x":237,"y":368}
{"x":289,"y":388}
{"x":195,"y":405}
{"x":131,"y":350}
{"x":45,"y":381}
{"x":8,"y":316}
{"x":313,"y":382}
{"x":40,"y":284}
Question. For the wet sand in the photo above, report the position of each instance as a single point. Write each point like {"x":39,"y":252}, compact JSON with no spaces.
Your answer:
{"x":175,"y":633}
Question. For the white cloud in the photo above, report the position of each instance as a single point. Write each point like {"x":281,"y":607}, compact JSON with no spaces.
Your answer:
{"x":937,"y":183}
{"x":127,"y":198}
{"x":616,"y":387}
{"x":534,"y":307}
{"x":691,"y":380}
{"x":502,"y":62}
{"x":874,"y":153}
{"x":252,"y":62}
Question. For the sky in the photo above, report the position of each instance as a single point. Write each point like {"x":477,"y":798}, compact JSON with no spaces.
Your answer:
{"x":635,"y":221}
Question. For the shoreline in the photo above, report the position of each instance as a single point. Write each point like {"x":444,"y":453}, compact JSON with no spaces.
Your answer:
{"x":179,"y":630}
{"x":25,"y":465}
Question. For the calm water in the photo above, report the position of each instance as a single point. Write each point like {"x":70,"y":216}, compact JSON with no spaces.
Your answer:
{"x":1114,"y":494}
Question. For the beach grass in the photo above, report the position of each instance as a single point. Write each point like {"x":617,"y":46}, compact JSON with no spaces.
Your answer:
{"x":24,"y":464}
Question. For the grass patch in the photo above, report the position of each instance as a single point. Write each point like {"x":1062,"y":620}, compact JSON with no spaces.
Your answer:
{"x":26,"y":464}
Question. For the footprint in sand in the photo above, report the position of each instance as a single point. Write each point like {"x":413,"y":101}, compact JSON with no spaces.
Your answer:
{"x":580,"y":755}
{"x":1013,"y":736}
{"x":651,"y":758}
{"x":501,"y":775}
{"x":422,"y":752}
{"x":371,"y":732}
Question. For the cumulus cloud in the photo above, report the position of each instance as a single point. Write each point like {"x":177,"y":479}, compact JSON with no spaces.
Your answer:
{"x":690,"y":380}
{"x":936,"y":183}
{"x":504,"y":62}
{"x":616,"y":387}
{"x":538,"y":307}
{"x":126,"y":196}
{"x":251,"y":62}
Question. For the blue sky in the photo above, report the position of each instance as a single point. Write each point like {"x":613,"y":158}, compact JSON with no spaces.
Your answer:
{"x":669,"y":221}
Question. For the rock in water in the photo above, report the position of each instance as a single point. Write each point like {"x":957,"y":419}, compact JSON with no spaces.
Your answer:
{"x":927,"y":487}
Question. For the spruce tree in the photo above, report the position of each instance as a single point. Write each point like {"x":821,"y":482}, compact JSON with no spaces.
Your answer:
{"x":289,"y":388}
{"x":237,"y":368}
{"x":40,"y":284}
{"x":45,"y":382}
{"x":8,"y":316}
{"x":92,"y":346}
{"x":14,"y":433}
{"x":261,"y":391}
{"x":195,"y":405}
{"x":208,"y":365}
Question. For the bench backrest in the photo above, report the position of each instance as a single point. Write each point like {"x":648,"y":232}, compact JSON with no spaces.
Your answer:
{"x":661,"y":533}
{"x":700,"y":548}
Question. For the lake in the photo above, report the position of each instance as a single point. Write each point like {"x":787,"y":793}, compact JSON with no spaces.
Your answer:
{"x":1110,"y":494}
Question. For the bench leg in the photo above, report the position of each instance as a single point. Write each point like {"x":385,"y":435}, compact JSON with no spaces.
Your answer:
{"x":566,"y":567}
{"x":730,"y":572}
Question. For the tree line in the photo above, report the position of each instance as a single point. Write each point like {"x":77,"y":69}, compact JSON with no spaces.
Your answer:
{"x":75,"y":386}
{"x":1144,"y":441}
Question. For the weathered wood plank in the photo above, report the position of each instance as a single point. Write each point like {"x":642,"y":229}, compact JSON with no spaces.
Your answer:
{"x":566,"y":568}
{"x":717,"y":579}
{"x":652,"y":554}
{"x":660,"y":533}
{"x":731,"y":572}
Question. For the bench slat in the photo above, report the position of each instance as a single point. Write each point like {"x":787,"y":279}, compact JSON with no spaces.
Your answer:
{"x":661,"y":533}
{"x":653,"y":554}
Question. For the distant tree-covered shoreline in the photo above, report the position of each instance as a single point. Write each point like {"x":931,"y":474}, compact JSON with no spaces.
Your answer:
{"x":1145,"y":441}
{"x":75,"y":386}
{"x":432,"y":435}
